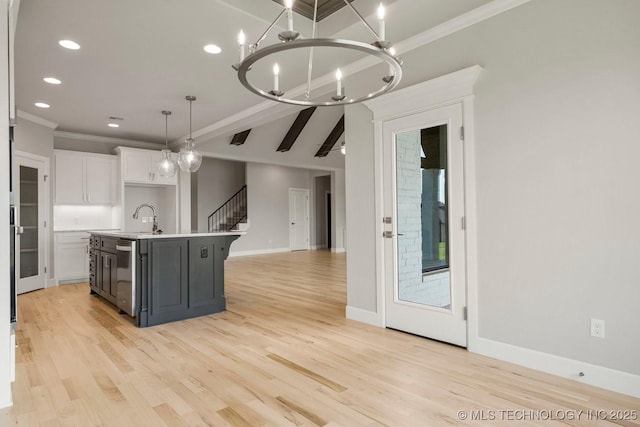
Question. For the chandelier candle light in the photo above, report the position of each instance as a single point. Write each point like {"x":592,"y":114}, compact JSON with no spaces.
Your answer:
{"x":189,"y":158}
{"x":380,"y":49}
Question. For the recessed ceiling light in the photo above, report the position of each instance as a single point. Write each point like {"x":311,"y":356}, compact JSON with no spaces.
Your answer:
{"x":69,"y":44}
{"x":52,"y":80}
{"x":213,"y":49}
{"x":41,"y":105}
{"x":113,"y":125}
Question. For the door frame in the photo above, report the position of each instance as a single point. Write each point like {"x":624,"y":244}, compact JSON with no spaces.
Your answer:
{"x":422,"y":318}
{"x":453,"y":88}
{"x":45,"y":237}
{"x":307,"y":220}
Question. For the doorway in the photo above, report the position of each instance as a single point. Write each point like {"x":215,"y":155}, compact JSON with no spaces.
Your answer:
{"x":32,"y":212}
{"x":298,"y":219}
{"x":424,"y":249}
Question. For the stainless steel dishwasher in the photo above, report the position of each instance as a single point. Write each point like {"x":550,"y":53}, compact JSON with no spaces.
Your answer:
{"x":126,"y":276}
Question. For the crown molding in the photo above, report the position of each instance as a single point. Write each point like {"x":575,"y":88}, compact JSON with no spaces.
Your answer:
{"x":106,"y":140}
{"x":35,"y":119}
{"x":235,"y":121}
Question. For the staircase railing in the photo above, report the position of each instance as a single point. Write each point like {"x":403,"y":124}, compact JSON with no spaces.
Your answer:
{"x":231,"y":213}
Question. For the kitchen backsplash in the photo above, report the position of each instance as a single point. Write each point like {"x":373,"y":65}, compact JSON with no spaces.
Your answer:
{"x":66,"y":217}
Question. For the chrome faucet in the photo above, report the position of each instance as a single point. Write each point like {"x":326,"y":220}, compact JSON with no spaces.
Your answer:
{"x":153,"y":210}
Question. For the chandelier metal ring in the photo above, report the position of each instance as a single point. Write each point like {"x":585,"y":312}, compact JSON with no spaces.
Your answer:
{"x":390,"y":81}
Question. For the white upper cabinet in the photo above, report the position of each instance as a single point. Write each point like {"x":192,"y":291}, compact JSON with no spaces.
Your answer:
{"x":139,"y":166}
{"x":84,"y":179}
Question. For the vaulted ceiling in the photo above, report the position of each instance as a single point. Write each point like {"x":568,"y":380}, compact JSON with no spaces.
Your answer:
{"x":140,"y":57}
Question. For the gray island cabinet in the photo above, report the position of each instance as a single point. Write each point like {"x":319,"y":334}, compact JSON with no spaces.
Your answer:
{"x":161,"y":278}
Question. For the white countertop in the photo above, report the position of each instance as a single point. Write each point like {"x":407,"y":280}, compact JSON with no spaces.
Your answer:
{"x":65,"y":229}
{"x":133,"y":235}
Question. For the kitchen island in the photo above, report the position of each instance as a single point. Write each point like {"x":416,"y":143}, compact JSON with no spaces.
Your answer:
{"x":160,"y":278}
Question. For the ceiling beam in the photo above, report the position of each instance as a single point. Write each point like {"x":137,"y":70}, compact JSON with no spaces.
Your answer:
{"x":240,"y":137}
{"x":296,"y":128}
{"x":331,"y":140}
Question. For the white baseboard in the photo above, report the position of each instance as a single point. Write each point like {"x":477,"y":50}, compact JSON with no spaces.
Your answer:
{"x":52,"y":282}
{"x":599,"y":376}
{"x":338,"y":250}
{"x":257,"y":252}
{"x":316,"y":247}
{"x":364,"y":316}
{"x":6,"y":404}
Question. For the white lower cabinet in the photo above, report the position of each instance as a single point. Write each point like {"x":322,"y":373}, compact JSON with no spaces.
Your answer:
{"x":71,"y":256}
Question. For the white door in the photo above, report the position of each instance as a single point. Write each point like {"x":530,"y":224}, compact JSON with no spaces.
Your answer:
{"x":31,"y":213}
{"x":298,"y":219}
{"x":425,"y":266}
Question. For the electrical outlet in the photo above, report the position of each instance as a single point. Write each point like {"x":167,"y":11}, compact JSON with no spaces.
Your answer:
{"x":597,"y":328}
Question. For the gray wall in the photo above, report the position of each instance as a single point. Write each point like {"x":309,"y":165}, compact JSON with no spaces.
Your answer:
{"x":360,"y":207}
{"x":556,"y":158}
{"x":216,"y":181}
{"x":322,"y":185}
{"x":268,"y":199}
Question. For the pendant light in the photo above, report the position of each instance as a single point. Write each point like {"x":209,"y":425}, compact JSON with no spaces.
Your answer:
{"x":189,"y":158}
{"x":166,"y":166}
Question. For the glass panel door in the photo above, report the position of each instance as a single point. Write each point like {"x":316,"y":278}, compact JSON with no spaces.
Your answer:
{"x":424,"y":244}
{"x":29,"y":209}
{"x":422,"y":212}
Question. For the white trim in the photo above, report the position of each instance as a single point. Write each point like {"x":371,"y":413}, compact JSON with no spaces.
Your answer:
{"x":599,"y":376}
{"x":316,"y":247}
{"x":261,"y":160}
{"x":48,"y":218}
{"x":258,"y":252}
{"x":365,"y":316}
{"x":35,"y":119}
{"x":456,"y":87}
{"x":338,"y":250}
{"x":428,"y":95}
{"x":230,"y":124}
{"x":52,"y":282}
{"x":106,"y":140}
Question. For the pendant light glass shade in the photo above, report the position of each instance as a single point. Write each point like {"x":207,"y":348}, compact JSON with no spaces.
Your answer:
{"x":189,"y":158}
{"x":166,"y":166}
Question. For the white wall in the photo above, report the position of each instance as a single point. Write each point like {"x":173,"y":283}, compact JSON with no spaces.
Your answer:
{"x":5,"y":361}
{"x":268,"y":206}
{"x":217,"y":180}
{"x":556,"y":152}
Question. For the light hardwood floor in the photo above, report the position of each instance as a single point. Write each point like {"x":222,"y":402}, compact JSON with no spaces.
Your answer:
{"x":283,"y":354}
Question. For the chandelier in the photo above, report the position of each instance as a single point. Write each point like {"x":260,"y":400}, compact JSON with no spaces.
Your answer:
{"x":291,"y":40}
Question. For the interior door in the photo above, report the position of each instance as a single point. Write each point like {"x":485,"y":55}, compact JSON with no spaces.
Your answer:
{"x":30,"y":199}
{"x":425,"y":266}
{"x":298,"y":219}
